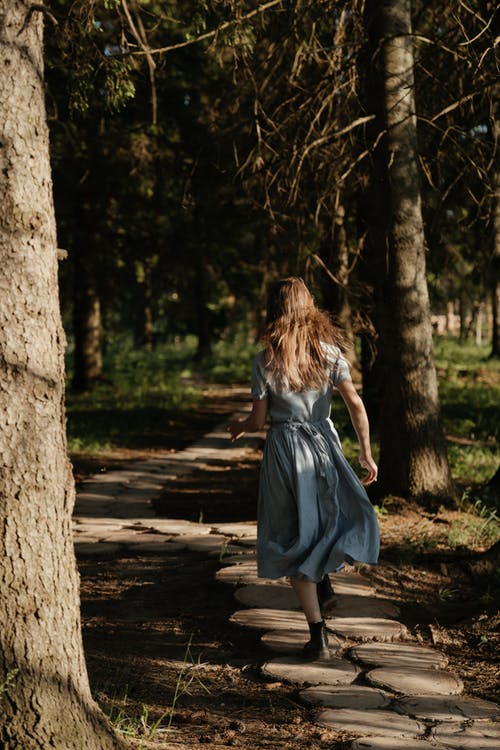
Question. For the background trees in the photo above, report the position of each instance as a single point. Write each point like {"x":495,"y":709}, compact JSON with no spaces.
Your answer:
{"x":260,"y":152}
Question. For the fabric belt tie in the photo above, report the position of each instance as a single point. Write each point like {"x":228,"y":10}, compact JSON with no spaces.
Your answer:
{"x":316,"y":441}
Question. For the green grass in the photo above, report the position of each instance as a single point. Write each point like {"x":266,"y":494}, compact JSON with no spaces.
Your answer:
{"x":468,"y":386}
{"x":149,"y":398}
{"x":144,"y":397}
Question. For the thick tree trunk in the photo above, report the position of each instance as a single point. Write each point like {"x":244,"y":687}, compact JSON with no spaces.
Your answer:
{"x":413,"y":456}
{"x":47,"y":701}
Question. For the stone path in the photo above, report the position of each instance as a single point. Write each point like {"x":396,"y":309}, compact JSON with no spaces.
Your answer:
{"x":379,"y":685}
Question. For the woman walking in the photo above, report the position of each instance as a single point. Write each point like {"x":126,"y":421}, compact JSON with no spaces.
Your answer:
{"x":313,"y":514}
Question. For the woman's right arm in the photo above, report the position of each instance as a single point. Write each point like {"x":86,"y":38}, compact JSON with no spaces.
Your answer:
{"x":359,"y":420}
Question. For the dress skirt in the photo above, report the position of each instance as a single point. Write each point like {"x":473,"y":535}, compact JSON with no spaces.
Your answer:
{"x":313,"y":514}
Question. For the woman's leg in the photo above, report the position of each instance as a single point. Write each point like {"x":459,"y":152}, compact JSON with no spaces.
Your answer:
{"x":307,"y":594}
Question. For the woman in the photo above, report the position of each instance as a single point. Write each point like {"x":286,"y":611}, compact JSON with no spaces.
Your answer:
{"x":313,"y":513}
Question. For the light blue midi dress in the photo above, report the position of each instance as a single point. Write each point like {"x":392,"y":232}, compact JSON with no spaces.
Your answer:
{"x":313,"y":512}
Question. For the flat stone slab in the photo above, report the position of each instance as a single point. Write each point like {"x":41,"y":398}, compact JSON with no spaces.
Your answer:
{"x":368,"y":628}
{"x":89,"y":521}
{"x":398,"y":655}
{"x":271,"y":596}
{"x":368,"y":723}
{"x":352,"y":696}
{"x":270,"y":619}
{"x":205,"y":543}
{"x":293,"y":641}
{"x":178,"y":526}
{"x":392,"y":743}
{"x":351,"y":584}
{"x":242,"y":557}
{"x":238,"y":574}
{"x":334,"y":671}
{"x":249,"y":531}
{"x":130,"y":536}
{"x":447,"y":708}
{"x":479,"y":736}
{"x":413,"y":681}
{"x":347,"y":605}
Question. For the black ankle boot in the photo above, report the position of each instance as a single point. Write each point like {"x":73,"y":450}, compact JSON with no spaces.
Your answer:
{"x":326,"y":595}
{"x":317,"y":648}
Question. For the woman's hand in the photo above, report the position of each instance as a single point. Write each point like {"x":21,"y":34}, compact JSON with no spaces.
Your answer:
{"x":370,"y":466}
{"x":254,"y":422}
{"x":235,"y":428}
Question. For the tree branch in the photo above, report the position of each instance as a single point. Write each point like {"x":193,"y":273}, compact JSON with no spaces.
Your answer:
{"x":214,"y":32}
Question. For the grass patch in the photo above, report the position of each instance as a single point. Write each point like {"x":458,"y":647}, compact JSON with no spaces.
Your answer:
{"x":145,"y":398}
{"x":468,"y":388}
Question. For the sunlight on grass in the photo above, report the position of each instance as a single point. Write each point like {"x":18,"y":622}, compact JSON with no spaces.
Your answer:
{"x":468,"y":386}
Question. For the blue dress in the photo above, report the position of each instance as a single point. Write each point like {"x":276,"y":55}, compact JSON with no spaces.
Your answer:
{"x":313,"y":512}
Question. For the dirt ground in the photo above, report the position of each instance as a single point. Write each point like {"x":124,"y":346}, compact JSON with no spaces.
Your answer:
{"x":160,"y":647}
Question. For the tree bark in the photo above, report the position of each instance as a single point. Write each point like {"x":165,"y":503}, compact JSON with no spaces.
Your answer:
{"x":413,"y":459}
{"x":495,"y":288}
{"x":46,"y":700}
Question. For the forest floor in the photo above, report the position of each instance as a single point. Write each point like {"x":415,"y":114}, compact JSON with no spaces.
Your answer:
{"x":184,"y":676}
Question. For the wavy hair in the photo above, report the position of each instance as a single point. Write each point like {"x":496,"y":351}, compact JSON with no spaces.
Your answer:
{"x":294,"y":336}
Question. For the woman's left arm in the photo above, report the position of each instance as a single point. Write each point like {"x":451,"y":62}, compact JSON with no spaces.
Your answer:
{"x":359,"y":420}
{"x":254,"y":422}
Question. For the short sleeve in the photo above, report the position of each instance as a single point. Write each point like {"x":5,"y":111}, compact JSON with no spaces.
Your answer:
{"x":340,"y":369}
{"x":259,"y":380}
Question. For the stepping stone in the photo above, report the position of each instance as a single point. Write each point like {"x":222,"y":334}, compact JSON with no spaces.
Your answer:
{"x":247,"y":542}
{"x":447,"y":708}
{"x":398,"y":655}
{"x":157,"y":548}
{"x":243,"y":557}
{"x":367,"y":723}
{"x":334,"y":671}
{"x":293,"y":641}
{"x":90,"y":521}
{"x":414,"y":681}
{"x":351,"y":584}
{"x":267,"y":595}
{"x":392,"y":743}
{"x":238,"y":574}
{"x":178,"y":526}
{"x":353,"y":696}
{"x":84,"y":537}
{"x":347,"y":605}
{"x":270,"y":619}
{"x":130,"y":536}
{"x":212,"y":544}
{"x":367,"y":628}
{"x":480,"y":736}
{"x":96,"y":549}
{"x":238,"y":529}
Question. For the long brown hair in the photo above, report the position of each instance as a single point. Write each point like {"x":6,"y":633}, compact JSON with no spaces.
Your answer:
{"x":294,"y":336}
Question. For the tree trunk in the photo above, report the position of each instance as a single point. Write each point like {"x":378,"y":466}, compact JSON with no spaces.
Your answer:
{"x":413,"y":456}
{"x":144,"y":316}
{"x":46,"y":700}
{"x":495,"y":287}
{"x":335,"y":292}
{"x":87,"y":327}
